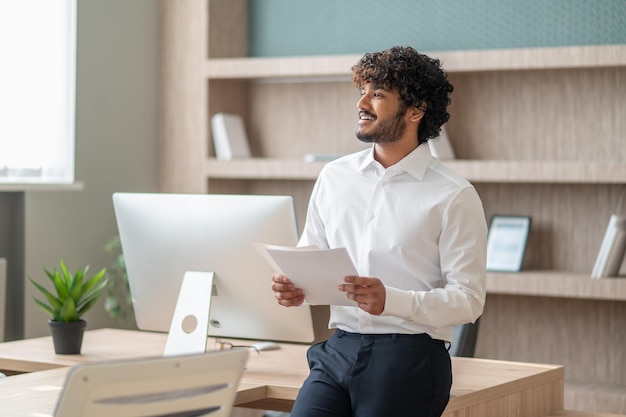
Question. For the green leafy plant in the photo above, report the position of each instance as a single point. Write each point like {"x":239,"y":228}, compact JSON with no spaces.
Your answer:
{"x":118,"y":302}
{"x":75,"y":294}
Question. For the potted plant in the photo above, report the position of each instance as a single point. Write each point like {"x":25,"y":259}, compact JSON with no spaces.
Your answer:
{"x":74,"y":294}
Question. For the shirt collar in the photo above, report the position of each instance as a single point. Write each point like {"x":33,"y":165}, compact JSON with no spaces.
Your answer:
{"x":415,"y":163}
{"x":368,"y":160}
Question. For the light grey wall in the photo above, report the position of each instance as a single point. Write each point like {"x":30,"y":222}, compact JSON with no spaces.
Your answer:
{"x":116,"y":146}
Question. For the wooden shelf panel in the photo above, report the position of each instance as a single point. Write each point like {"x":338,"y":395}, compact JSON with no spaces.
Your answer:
{"x":542,"y":172}
{"x":552,"y":172}
{"x":263,"y":169}
{"x":604,"y":56}
{"x":559,"y":284}
{"x":287,"y":67}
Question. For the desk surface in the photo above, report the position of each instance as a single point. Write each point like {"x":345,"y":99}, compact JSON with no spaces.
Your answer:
{"x":272,"y":378}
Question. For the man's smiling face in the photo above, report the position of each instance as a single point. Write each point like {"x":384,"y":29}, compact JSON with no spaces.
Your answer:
{"x":381,"y":115}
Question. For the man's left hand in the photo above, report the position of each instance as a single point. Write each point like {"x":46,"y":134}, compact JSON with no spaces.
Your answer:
{"x":368,"y":293}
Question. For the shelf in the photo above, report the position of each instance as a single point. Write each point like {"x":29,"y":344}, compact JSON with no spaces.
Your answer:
{"x":263,"y":169}
{"x":558,"y":284}
{"x":604,"y":56}
{"x":543,"y":172}
{"x":552,"y":172}
{"x":289,"y":67}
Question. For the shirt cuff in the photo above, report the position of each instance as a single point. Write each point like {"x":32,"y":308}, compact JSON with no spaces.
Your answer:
{"x":398,"y":303}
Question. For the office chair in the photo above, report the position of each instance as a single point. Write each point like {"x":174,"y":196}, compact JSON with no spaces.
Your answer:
{"x":464,"y":339}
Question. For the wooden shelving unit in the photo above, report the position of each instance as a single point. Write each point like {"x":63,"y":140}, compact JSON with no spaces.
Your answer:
{"x":539,"y":131}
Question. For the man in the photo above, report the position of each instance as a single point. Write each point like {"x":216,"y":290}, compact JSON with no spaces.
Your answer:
{"x":416,"y":233}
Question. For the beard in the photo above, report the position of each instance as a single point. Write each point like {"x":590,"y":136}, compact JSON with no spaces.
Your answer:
{"x":387,"y":131}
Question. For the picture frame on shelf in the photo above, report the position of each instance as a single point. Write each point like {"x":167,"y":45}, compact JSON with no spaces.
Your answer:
{"x":506,"y":242}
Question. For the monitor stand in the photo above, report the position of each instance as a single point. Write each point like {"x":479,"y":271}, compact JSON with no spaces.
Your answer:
{"x":190,"y":324}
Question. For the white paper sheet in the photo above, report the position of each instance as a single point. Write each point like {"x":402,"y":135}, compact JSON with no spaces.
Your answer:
{"x":317,"y":271}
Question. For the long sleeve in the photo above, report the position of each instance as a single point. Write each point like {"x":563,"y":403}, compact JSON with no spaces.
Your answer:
{"x":462,"y":250}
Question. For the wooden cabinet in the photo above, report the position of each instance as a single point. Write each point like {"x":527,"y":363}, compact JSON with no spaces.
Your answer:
{"x":539,"y":132}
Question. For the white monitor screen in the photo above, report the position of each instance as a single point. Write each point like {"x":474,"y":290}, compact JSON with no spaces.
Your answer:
{"x":165,"y":235}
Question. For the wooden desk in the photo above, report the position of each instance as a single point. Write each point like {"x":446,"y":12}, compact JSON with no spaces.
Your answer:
{"x":481,"y":388}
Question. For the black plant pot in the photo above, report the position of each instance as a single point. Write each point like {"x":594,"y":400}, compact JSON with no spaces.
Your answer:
{"x":67,"y":336}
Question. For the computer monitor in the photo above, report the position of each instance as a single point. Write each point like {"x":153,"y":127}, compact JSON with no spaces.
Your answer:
{"x":165,"y":235}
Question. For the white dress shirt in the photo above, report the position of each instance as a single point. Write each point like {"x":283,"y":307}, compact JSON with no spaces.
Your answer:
{"x":417,"y":226}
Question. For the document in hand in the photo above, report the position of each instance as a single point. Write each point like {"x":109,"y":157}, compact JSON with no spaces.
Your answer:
{"x":317,"y":271}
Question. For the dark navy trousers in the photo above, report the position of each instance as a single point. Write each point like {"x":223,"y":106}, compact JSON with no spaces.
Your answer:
{"x":369,"y":375}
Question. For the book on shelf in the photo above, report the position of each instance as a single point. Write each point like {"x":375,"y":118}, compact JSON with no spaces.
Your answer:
{"x":229,"y":136}
{"x":612,"y":250}
{"x":440,"y":147}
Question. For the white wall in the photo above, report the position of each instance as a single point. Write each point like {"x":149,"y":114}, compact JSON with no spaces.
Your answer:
{"x":116,"y":146}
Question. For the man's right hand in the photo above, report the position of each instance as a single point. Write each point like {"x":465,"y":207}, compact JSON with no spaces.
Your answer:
{"x":285,"y":292}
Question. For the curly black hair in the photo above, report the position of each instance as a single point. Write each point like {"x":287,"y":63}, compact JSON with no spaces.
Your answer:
{"x":419,"y":79}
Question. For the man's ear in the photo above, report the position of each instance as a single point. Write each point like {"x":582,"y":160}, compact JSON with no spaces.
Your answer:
{"x":416,"y":113}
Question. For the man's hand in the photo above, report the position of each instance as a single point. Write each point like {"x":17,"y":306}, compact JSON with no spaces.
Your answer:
{"x":368,"y":293}
{"x":285,"y":292}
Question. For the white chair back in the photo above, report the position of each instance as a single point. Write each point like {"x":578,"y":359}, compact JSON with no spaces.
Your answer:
{"x":188,"y":385}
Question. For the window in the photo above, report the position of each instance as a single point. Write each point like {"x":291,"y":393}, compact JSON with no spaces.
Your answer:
{"x":37,"y":85}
